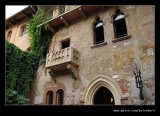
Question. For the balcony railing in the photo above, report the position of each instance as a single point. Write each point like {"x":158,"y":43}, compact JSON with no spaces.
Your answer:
{"x":58,"y":60}
{"x":62,"y":9}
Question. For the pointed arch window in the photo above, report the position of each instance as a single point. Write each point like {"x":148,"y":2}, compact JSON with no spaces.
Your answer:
{"x":49,"y":97}
{"x":119,"y":23}
{"x":60,"y":97}
{"x":23,"y":30}
{"x":9,"y":35}
{"x":98,"y":31}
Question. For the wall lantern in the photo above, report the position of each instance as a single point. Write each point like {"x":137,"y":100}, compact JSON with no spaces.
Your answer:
{"x":111,"y":99}
{"x":139,"y":83}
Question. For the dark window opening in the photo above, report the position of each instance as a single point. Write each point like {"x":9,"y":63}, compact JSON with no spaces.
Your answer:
{"x":103,"y":96}
{"x":23,"y":30}
{"x":99,"y":35}
{"x":50,"y":97}
{"x":9,"y":35}
{"x":98,"y":31}
{"x":119,"y":24}
{"x":65,"y":44}
{"x":120,"y":28}
{"x":60,"y":97}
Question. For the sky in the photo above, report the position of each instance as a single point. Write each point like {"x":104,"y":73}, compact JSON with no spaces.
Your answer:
{"x":13,"y":9}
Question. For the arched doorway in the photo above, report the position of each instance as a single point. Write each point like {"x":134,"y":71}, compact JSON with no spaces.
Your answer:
{"x":95,"y":86}
{"x":103,"y":96}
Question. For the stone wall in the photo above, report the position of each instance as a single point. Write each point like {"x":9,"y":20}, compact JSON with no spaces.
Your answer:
{"x":113,"y":60}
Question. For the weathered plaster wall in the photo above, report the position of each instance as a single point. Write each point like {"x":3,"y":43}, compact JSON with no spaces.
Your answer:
{"x":114,"y":60}
{"x":70,"y":7}
{"x":20,"y":41}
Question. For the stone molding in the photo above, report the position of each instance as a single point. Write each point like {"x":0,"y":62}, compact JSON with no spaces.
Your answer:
{"x":107,"y":82}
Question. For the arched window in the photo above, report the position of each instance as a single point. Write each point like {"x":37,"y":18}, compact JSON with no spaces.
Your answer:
{"x":119,"y":23}
{"x":49,"y":97}
{"x":60,"y":97}
{"x":23,"y":30}
{"x":9,"y":35}
{"x":98,"y":31}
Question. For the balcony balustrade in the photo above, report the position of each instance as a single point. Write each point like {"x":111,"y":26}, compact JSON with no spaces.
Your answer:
{"x":59,"y":59}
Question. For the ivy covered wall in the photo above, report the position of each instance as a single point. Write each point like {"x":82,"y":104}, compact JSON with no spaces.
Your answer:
{"x":21,"y":66}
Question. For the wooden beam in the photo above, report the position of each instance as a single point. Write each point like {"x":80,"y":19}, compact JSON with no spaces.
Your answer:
{"x":83,"y":13}
{"x":7,"y":26}
{"x":8,"y":22}
{"x":65,"y":22}
{"x":51,"y":28}
{"x":12,"y":22}
{"x":15,"y":20}
{"x":33,"y":8}
{"x":26,"y":15}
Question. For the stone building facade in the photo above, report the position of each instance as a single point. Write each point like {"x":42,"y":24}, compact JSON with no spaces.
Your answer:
{"x":93,"y":53}
{"x":16,"y":28}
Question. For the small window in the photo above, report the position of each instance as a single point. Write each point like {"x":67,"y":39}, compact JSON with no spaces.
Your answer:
{"x":98,"y":31}
{"x":9,"y":35}
{"x":120,"y":28}
{"x":23,"y":30}
{"x":50,"y":97}
{"x":66,"y":43}
{"x":60,"y":97}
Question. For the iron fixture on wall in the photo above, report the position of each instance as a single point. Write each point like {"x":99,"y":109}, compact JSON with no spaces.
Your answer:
{"x":139,"y":83}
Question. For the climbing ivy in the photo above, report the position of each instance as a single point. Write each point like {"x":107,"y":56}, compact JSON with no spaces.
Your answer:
{"x":40,"y":37}
{"x":21,"y":66}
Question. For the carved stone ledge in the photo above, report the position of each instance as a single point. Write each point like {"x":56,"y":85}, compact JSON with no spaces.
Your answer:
{"x":121,"y":38}
{"x":52,"y":74}
{"x":73,"y":71}
{"x":98,"y":45}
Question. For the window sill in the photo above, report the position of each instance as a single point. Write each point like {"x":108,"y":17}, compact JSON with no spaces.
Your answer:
{"x":121,"y":38}
{"x":98,"y":45}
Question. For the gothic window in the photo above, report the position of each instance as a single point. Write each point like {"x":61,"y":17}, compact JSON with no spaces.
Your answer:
{"x":60,"y":97}
{"x":119,"y":23}
{"x":23,"y":30}
{"x":98,"y":31}
{"x":9,"y":35}
{"x":49,"y":97}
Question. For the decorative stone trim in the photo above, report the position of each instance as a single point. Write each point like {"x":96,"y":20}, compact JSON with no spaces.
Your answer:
{"x":98,"y":82}
{"x":52,"y":74}
{"x":98,"y":45}
{"x":121,"y":38}
{"x":73,"y":71}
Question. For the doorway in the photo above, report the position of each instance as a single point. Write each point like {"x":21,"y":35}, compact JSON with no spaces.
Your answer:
{"x":103,"y":96}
